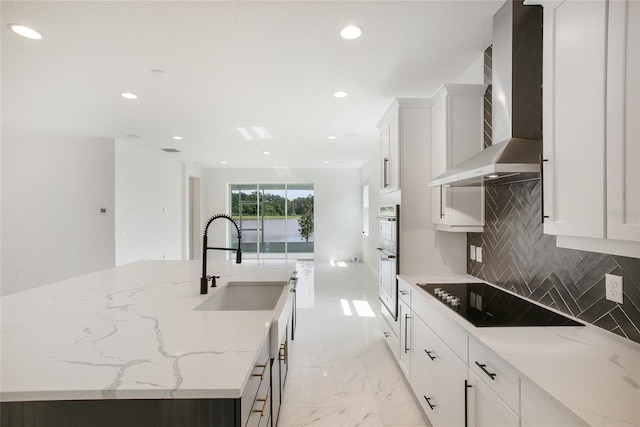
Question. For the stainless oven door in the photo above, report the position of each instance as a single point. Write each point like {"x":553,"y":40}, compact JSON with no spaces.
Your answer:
{"x":389,"y":282}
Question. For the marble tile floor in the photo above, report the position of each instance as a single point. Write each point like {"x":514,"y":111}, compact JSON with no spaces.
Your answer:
{"x":341,"y":371}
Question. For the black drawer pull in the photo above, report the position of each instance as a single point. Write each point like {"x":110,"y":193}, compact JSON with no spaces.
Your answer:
{"x":429,"y":354}
{"x":483,"y":367}
{"x":429,"y":402}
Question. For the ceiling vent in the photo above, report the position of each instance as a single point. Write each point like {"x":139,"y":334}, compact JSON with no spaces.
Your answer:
{"x":171,"y":150}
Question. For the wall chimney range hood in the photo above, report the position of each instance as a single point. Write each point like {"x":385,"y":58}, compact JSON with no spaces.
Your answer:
{"x":516,"y":104}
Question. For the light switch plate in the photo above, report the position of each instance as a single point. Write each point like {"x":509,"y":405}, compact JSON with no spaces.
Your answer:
{"x":613,"y":285}
{"x":472,"y":252}
{"x":478,"y":253}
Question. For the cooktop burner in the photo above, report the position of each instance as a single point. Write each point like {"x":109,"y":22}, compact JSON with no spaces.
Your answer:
{"x":485,"y":305}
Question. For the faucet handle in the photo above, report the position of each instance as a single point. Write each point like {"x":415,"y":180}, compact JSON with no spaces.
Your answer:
{"x":213,"y":280}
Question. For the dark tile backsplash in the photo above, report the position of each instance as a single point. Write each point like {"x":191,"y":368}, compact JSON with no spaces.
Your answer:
{"x":518,"y":256}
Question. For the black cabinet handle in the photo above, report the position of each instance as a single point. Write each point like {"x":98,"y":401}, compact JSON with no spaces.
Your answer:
{"x":542,"y":160}
{"x":429,"y":354}
{"x":467,"y":386}
{"x":429,"y":402}
{"x":403,"y":292}
{"x":484,"y":369}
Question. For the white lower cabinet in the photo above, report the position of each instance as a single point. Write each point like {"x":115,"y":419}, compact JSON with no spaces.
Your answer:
{"x":430,"y":353}
{"x":458,"y":380}
{"x":404,"y":317}
{"x":433,"y":400}
{"x":486,"y":408}
{"x":389,"y":332}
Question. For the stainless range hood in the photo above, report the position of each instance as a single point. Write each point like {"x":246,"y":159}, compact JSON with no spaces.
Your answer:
{"x":516,"y":103}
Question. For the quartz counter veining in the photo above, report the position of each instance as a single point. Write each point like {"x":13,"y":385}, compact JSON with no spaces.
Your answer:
{"x":131,"y":332}
{"x":594,"y":373}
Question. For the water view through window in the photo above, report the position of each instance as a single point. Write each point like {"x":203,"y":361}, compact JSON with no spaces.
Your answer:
{"x":276,"y":220}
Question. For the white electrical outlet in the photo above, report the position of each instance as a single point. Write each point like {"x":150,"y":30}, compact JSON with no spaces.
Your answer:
{"x":472,"y":252}
{"x":478,"y":254}
{"x":613,"y":285}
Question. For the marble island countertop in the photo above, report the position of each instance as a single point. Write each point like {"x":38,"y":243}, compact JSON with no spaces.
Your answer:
{"x":131,"y":332}
{"x":593,"y":372}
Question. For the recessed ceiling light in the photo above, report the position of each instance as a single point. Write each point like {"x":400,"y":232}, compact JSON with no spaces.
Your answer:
{"x":493,"y":175}
{"x":326,"y":162}
{"x":332,"y":137}
{"x":128,"y":95}
{"x":222,"y":162}
{"x":25,"y":31}
{"x":266,"y":152}
{"x":178,"y":138}
{"x":340,"y":94}
{"x":351,"y":32}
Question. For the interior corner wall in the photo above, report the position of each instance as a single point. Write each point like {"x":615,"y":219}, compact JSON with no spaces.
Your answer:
{"x":337,"y":203}
{"x":52,"y":195}
{"x":148,"y":199}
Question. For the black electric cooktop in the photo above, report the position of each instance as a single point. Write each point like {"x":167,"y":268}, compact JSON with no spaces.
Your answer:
{"x":485,"y":305}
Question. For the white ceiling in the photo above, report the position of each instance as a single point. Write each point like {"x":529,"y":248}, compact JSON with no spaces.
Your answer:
{"x":231,"y":64}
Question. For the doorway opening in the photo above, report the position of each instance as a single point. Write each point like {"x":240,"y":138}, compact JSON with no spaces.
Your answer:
{"x":276,"y":220}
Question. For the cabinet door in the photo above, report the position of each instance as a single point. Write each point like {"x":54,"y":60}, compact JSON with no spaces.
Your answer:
{"x":456,"y":135}
{"x":390,"y":156}
{"x":439,"y":161}
{"x":574,"y":117}
{"x":623,"y":124}
{"x":384,"y":159}
{"x":486,"y":408}
{"x":404,"y":317}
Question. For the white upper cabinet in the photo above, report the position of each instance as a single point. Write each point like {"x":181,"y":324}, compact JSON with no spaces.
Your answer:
{"x":574,"y":58}
{"x":403,"y":124}
{"x":591,"y":124}
{"x":389,"y":155}
{"x":456,"y":136}
{"x":623,"y":121}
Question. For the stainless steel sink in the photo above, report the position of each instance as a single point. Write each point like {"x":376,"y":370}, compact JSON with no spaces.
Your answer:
{"x":244,"y":296}
{"x":256,"y":296}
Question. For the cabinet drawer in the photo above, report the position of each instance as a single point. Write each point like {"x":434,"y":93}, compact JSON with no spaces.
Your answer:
{"x":444,"y":366}
{"x":432,"y":399}
{"x":390,"y":336}
{"x":258,"y":380}
{"x":496,"y":373}
{"x":539,"y":409}
{"x":450,"y":332}
{"x":486,"y":409}
{"x":391,"y":322}
{"x":404,"y":291}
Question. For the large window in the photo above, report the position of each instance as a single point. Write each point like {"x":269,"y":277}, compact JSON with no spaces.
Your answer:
{"x":276,"y":220}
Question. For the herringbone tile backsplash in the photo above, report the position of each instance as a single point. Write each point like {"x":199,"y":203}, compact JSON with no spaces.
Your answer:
{"x":518,"y":256}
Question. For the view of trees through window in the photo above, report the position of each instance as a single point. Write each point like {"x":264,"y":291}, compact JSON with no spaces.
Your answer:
{"x":275,"y":219}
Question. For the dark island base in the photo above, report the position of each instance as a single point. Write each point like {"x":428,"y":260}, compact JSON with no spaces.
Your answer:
{"x":122,"y":413}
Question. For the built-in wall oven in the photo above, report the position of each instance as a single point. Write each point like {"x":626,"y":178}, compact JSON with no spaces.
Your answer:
{"x":389,"y":232}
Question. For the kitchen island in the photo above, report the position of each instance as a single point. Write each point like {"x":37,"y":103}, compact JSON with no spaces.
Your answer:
{"x":131,"y":333}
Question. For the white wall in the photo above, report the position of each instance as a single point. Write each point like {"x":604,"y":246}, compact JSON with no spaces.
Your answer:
{"x":52,"y":192}
{"x":473,"y":74}
{"x":337,"y":210}
{"x":149,"y":204}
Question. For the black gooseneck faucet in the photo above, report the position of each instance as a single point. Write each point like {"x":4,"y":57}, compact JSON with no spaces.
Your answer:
{"x":204,"y":280}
